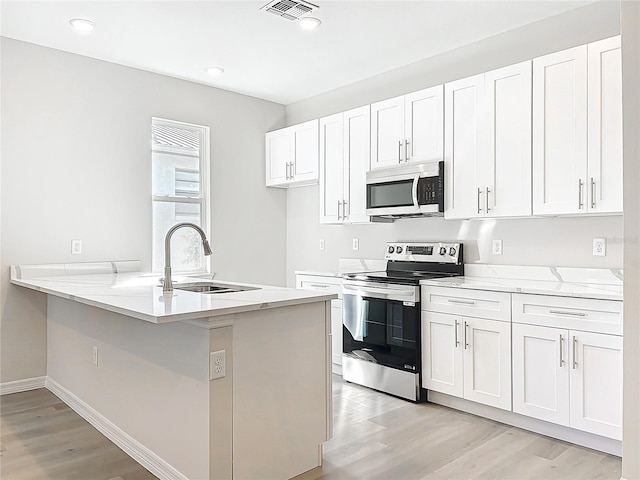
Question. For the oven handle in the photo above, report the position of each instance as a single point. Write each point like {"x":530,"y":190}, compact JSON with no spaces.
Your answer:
{"x":386,"y":292}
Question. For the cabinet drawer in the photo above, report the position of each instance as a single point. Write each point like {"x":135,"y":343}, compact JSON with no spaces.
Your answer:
{"x":320,"y":283}
{"x":589,"y":315}
{"x":470,"y":303}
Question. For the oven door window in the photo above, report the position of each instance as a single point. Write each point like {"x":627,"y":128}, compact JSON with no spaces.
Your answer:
{"x":382,"y":331}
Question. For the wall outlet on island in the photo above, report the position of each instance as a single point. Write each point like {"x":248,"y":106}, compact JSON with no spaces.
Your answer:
{"x":217,"y":364}
{"x":322,"y":244}
{"x":76,"y":247}
{"x":356,"y":244}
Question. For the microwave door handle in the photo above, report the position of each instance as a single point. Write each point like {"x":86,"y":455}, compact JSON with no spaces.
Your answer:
{"x":414,"y":191}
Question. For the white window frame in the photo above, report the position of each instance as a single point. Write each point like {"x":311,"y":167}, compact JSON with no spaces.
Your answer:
{"x":205,"y":191}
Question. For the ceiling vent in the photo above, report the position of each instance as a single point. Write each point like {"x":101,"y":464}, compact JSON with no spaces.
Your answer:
{"x":289,"y":9}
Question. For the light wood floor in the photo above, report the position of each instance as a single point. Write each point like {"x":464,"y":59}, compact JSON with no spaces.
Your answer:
{"x":376,"y":436}
{"x":41,"y":438}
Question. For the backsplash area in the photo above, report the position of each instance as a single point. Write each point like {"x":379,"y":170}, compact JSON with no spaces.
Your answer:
{"x":549,"y":241}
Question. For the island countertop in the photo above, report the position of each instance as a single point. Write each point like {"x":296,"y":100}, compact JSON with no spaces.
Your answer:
{"x":119,"y":287}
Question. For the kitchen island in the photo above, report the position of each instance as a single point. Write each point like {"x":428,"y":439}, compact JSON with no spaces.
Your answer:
{"x":141,"y":367}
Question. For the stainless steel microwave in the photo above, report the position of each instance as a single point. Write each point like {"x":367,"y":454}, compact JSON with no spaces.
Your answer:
{"x":409,"y":191}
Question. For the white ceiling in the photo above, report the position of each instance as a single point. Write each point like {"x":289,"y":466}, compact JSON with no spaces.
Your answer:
{"x":263,"y":55}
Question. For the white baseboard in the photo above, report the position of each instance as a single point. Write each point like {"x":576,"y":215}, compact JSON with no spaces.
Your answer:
{"x":24,"y":385}
{"x":128,"y":444}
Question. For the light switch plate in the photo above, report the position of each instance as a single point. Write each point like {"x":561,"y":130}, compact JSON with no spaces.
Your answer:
{"x":599,"y":247}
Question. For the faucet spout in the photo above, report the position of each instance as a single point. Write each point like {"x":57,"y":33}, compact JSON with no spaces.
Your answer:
{"x":167,"y":286}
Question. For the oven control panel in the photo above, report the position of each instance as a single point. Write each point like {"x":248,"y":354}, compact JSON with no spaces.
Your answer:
{"x":434,"y":252}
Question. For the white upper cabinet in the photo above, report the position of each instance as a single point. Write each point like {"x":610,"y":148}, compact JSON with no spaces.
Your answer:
{"x":604,"y":146}
{"x":344,"y":161}
{"x":462,"y":146}
{"x":560,"y":131}
{"x":577,"y":130}
{"x":506,"y":169}
{"x":408,"y":128}
{"x":331,"y":168}
{"x":424,"y":125}
{"x":292,"y":155}
{"x":357,"y":159}
{"x":488,"y":144}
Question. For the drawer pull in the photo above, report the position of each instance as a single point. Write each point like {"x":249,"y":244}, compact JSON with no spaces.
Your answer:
{"x":574,"y":314}
{"x":318,"y":285}
{"x":462,"y":302}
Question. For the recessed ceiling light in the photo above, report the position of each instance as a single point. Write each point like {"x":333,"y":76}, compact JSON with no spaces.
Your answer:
{"x":214,"y":71}
{"x":309,"y":23}
{"x":81,"y":25}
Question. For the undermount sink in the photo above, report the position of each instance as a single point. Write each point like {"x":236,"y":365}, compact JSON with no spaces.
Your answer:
{"x":212,"y":287}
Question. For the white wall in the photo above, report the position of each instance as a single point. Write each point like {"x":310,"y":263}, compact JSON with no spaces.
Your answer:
{"x":76,"y":164}
{"x":630,"y":26}
{"x":540,"y":241}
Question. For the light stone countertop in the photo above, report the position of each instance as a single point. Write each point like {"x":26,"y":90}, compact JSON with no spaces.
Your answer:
{"x":603,"y":284}
{"x":117,"y":287}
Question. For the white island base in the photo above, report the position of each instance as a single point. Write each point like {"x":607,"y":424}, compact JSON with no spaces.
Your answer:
{"x":150,"y":392}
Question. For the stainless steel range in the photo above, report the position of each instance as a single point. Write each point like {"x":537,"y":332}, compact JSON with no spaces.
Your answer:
{"x":381,"y":316}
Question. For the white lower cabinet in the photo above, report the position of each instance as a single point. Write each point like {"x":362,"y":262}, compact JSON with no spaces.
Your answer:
{"x":567,"y":376}
{"x":329,"y":285}
{"x":467,"y":357}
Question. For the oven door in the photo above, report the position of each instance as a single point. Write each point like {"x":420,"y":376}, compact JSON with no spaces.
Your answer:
{"x":381,"y":324}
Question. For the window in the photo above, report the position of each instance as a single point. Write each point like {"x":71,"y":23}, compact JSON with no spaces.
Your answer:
{"x":180,"y":192}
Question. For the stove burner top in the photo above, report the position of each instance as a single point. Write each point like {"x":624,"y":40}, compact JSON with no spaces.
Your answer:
{"x":398,"y":277}
{"x":408,"y":263}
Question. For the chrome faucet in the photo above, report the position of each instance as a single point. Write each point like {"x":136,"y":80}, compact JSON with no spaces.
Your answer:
{"x":167,"y":286}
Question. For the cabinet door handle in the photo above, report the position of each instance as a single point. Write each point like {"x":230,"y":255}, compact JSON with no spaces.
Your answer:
{"x":466,"y":342}
{"x":479,"y":193}
{"x":574,"y":314}
{"x":463,"y":302}
{"x":456,"y":342}
{"x":575,"y":348}
{"x":339,"y":206}
{"x":487,"y":200}
{"x":344,"y":209}
{"x":593,"y":193}
{"x":561,"y":353}
{"x":406,"y":150}
{"x":399,"y":151}
{"x":286,"y":171}
{"x":580,"y":185}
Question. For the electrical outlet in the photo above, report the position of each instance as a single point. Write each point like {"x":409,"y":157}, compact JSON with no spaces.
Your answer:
{"x":94,"y":356}
{"x":600,"y":247}
{"x":321,"y":244}
{"x":217,"y":364}
{"x":497,"y":247}
{"x":356,"y":244}
{"x":76,"y":247}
